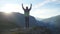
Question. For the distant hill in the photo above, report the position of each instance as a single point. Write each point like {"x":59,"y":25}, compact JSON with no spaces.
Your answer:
{"x":39,"y":19}
{"x":53,"y":20}
{"x":53,"y":23}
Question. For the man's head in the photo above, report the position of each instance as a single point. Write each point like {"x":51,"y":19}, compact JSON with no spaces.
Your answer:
{"x":26,"y":7}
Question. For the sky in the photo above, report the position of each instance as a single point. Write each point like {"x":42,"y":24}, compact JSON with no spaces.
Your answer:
{"x":40,"y":8}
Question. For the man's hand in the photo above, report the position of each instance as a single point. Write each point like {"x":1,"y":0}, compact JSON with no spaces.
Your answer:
{"x":31,"y":4}
{"x":22,"y":4}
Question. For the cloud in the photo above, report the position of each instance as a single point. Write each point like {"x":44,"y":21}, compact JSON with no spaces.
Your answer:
{"x":56,"y":1}
{"x":40,"y":4}
{"x":53,"y":0}
{"x":45,"y":2}
{"x":44,"y":13}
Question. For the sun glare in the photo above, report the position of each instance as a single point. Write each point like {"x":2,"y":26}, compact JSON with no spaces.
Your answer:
{"x":7,"y":13}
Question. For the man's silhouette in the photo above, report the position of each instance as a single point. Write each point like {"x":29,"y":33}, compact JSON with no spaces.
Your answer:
{"x":26,"y":13}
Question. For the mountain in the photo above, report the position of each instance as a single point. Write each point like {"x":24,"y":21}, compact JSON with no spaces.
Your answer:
{"x":53,"y":24}
{"x":39,"y":19}
{"x":20,"y":20}
{"x":6,"y":23}
{"x":53,"y":20}
{"x":16,"y":18}
{"x":41,"y":23}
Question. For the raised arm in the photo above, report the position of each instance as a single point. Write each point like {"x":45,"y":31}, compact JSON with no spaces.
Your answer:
{"x":30,"y":7}
{"x":23,"y":7}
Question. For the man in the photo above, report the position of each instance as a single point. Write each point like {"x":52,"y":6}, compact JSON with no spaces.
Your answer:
{"x":26,"y":13}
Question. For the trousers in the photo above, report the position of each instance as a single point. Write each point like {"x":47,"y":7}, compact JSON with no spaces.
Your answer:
{"x":27,"y":21}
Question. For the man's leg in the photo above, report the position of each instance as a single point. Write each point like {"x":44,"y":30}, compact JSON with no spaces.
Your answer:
{"x":27,"y":22}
